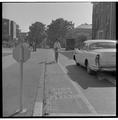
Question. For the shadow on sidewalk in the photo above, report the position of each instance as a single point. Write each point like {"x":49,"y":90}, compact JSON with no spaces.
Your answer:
{"x":79,"y":75}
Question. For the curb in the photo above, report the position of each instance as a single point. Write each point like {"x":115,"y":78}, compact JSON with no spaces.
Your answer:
{"x":38,"y":105}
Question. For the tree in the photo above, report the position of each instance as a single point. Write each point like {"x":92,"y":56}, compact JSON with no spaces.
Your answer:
{"x":58,"y":30}
{"x":36,"y":34}
{"x":80,"y":39}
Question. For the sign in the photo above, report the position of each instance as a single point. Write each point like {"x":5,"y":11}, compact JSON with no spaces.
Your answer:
{"x":21,"y":53}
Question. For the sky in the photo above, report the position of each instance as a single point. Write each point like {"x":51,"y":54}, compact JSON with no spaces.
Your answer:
{"x":24,"y":14}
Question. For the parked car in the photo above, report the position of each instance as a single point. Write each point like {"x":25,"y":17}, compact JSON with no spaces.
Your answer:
{"x":96,"y":55}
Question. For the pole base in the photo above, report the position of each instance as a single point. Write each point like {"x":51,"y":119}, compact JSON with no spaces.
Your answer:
{"x":23,"y":110}
{"x":19,"y":111}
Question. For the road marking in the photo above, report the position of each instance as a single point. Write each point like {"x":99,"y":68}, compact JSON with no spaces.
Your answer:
{"x":38,"y":109}
{"x":91,"y":108}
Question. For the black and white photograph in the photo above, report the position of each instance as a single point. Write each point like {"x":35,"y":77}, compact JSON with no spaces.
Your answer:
{"x":58,"y":59}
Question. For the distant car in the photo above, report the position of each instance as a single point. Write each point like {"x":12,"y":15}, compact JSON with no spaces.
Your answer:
{"x":96,"y":55}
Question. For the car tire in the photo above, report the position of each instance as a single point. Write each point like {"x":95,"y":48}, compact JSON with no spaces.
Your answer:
{"x":77,"y":64}
{"x":89,"y":71}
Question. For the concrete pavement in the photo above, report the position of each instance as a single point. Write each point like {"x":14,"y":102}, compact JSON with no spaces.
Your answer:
{"x":33,"y":69}
{"x":62,"y":91}
{"x":62,"y":96}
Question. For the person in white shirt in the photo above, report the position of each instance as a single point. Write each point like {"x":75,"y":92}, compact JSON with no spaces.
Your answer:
{"x":57,"y":46}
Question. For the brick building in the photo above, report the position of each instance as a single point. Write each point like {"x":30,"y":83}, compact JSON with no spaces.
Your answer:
{"x":104,"y":20}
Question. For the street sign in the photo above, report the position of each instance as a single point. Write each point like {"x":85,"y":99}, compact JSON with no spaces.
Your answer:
{"x":21,"y":53}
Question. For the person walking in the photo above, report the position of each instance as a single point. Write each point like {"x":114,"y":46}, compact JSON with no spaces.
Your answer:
{"x":57,"y":46}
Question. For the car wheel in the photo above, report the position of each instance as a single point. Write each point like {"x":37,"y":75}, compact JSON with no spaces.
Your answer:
{"x":77,"y":64}
{"x":89,"y":71}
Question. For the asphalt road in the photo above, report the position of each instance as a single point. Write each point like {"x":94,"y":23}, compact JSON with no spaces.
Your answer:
{"x":6,"y":52}
{"x":11,"y":83}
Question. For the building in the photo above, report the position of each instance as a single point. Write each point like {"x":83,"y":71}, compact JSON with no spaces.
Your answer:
{"x":104,"y":20}
{"x":13,"y":30}
{"x":18,"y":31}
{"x":76,"y":36}
{"x":23,"y":36}
{"x":6,"y":29}
{"x":84,"y":29}
{"x":10,"y":31}
{"x":83,"y":32}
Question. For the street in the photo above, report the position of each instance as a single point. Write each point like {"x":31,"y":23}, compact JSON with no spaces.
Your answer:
{"x":11,"y":83}
{"x":64,"y":90}
{"x":59,"y":59}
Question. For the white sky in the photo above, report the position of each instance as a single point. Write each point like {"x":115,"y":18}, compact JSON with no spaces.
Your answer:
{"x":24,"y":14}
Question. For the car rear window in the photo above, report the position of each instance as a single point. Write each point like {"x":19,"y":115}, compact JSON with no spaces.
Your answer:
{"x":100,"y":45}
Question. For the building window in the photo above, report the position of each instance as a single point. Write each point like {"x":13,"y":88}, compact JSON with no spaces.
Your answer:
{"x":100,"y":34}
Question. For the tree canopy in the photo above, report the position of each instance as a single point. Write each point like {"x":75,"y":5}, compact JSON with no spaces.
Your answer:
{"x":36,"y":34}
{"x":58,"y":30}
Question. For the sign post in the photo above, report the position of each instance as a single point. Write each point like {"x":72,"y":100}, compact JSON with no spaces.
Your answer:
{"x":21,"y":54}
{"x":21,"y":83}
{"x":22,"y":110}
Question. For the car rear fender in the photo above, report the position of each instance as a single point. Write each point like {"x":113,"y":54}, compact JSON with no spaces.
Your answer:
{"x":91,"y":57}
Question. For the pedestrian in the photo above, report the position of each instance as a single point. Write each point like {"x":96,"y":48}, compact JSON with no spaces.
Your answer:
{"x":57,"y":46}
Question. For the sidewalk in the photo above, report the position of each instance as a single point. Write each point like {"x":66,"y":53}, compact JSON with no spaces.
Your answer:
{"x":63,"y":96}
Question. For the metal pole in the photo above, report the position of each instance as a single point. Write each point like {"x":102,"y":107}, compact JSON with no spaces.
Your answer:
{"x":21,"y":109}
{"x":21,"y":78}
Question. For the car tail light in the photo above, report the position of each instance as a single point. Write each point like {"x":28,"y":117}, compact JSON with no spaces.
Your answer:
{"x":97,"y":60}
